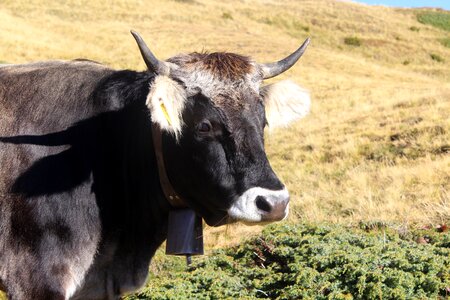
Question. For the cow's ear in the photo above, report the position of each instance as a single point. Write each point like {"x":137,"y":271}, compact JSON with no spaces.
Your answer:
{"x":285,"y":102}
{"x":166,"y":101}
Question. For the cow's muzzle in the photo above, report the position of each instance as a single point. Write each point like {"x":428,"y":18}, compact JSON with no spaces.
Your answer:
{"x":260,"y":205}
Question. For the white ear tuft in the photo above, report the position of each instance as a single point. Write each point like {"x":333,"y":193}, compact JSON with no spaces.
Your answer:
{"x":166,"y":102}
{"x":285,"y":102}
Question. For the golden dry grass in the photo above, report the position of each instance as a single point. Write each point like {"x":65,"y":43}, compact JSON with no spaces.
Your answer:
{"x":376,"y":145}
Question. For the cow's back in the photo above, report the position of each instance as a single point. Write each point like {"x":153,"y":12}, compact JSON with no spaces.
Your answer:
{"x":47,"y":96}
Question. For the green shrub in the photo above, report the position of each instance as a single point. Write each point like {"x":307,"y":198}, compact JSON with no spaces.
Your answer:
{"x":414,"y":28}
{"x":317,"y":262}
{"x":227,"y":16}
{"x":352,"y":41}
{"x":305,"y":28}
{"x":445,"y":42}
{"x":437,"y":19}
{"x":436,"y":57}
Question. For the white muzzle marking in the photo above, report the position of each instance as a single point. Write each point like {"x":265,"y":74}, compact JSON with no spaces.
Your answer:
{"x":274,"y":208}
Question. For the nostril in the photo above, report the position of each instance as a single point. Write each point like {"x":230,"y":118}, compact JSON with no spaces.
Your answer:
{"x":262,"y":204}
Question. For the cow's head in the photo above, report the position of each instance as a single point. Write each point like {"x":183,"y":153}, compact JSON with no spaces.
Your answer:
{"x":214,"y":111}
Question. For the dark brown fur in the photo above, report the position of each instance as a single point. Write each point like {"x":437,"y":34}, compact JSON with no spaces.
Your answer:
{"x":223,"y":65}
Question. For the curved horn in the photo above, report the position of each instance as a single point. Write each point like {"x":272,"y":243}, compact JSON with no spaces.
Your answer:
{"x":153,"y":64}
{"x":273,"y":69}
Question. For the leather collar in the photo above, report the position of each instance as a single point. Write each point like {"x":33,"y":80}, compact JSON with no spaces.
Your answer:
{"x":172,"y":197}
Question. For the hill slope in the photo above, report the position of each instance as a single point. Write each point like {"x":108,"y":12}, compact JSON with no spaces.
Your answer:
{"x":377,"y":143}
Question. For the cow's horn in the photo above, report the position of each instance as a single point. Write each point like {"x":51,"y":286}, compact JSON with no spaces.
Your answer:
{"x":153,"y":64}
{"x":273,"y":69}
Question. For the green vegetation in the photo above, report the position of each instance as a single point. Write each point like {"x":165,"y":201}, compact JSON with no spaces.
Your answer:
{"x":436,"y":57}
{"x":304,"y":261}
{"x":352,"y":41}
{"x":436,"y":19}
{"x":445,"y":42}
{"x":227,"y":16}
{"x":414,"y":28}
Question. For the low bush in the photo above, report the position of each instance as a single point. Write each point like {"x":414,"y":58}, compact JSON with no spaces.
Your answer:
{"x":352,"y":41}
{"x":317,"y":262}
{"x":227,"y":16}
{"x":445,"y":42}
{"x":436,"y":57}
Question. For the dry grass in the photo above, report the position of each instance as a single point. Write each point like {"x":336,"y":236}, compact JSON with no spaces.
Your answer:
{"x":376,"y":145}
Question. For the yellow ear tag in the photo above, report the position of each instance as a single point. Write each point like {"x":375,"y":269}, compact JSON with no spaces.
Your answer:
{"x":166,"y":114}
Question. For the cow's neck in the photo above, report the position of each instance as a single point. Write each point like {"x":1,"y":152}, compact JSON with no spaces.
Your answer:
{"x":127,"y":185}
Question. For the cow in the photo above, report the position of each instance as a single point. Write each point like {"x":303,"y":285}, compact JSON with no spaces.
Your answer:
{"x":82,"y":210}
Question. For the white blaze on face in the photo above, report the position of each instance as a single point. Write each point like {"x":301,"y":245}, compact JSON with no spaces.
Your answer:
{"x":259,"y":204}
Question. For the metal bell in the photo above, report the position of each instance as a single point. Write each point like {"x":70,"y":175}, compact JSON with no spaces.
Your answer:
{"x":184,"y":233}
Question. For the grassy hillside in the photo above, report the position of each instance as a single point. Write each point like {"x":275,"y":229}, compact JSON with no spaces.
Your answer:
{"x":376,"y":145}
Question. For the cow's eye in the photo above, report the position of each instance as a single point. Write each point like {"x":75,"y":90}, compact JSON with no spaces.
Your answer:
{"x":204,"y":127}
